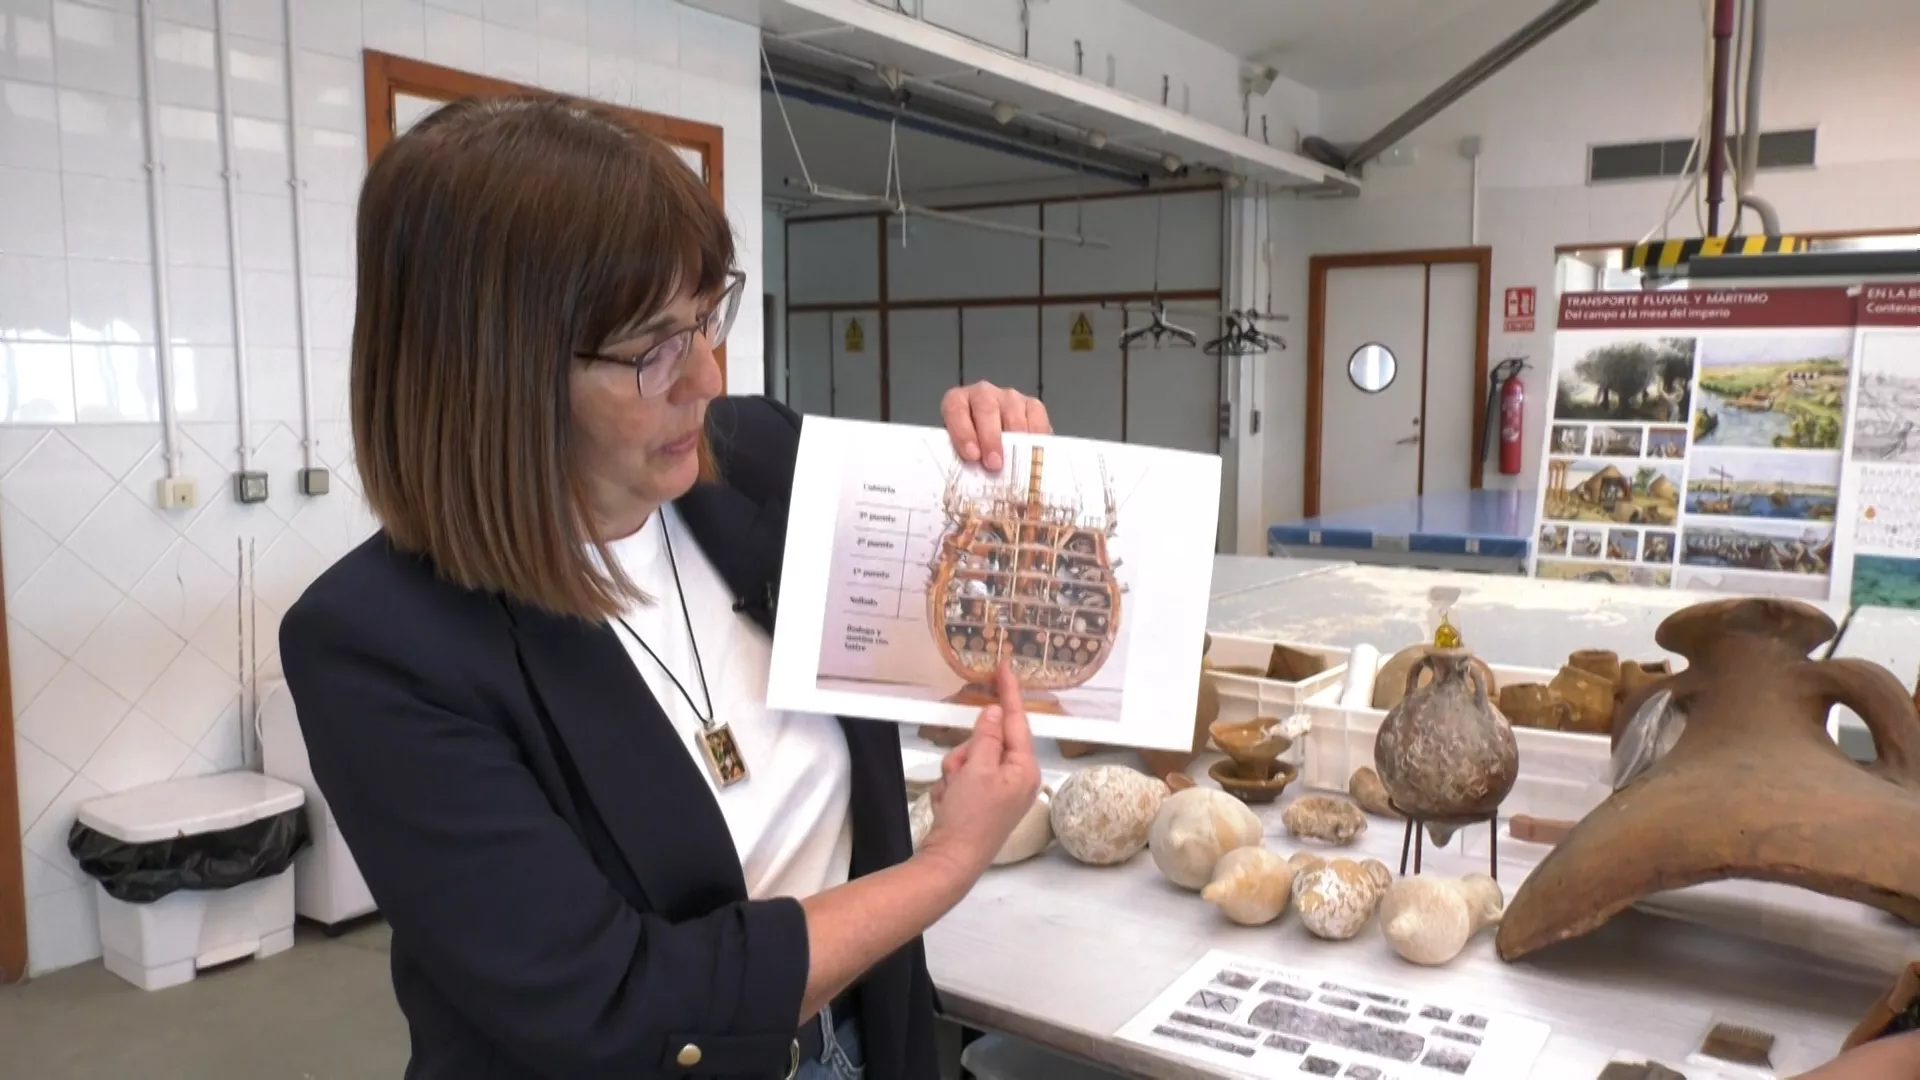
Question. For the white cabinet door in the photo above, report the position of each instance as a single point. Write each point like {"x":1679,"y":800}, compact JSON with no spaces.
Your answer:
{"x":923,"y":363}
{"x":856,"y":365}
{"x":1002,"y":346}
{"x":1375,"y":334}
{"x":810,"y":363}
{"x":1453,"y":330}
{"x":1084,"y":388}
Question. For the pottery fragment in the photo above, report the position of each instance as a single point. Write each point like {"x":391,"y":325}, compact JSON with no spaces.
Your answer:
{"x":1102,"y":815}
{"x":1250,"y":886}
{"x":1428,"y":920}
{"x":1194,"y":828}
{"x":1445,"y":753}
{"x":1336,"y":897}
{"x":1370,"y":793}
{"x":1590,"y":695}
{"x":1324,"y":818}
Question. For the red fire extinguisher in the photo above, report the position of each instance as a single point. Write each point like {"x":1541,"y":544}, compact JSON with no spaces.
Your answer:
{"x":1505,"y":387}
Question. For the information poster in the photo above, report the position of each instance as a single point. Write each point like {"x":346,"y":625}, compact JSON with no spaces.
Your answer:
{"x":910,"y":578}
{"x":1696,"y":439}
{"x":1881,"y":492}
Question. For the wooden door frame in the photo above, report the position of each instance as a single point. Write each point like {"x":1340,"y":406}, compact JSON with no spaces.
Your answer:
{"x":386,"y":75}
{"x":1317,"y":270}
{"x":13,"y":849}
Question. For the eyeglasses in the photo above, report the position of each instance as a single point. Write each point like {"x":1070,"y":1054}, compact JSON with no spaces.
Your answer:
{"x":660,"y":366}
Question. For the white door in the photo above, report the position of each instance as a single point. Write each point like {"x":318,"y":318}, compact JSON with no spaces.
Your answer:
{"x":1397,"y":384}
{"x":810,"y":363}
{"x":856,"y":365}
{"x":1453,"y":333}
{"x":923,"y":363}
{"x":1085,"y":374}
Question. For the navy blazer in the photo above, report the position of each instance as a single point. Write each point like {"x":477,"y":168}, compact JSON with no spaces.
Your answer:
{"x":565,"y":898}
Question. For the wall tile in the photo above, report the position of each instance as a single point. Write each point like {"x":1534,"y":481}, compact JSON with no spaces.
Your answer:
{"x":287,"y":568}
{"x":201,"y":300}
{"x":216,"y":532}
{"x":330,"y":310}
{"x":57,"y":486}
{"x":138,"y":752}
{"x":184,"y":71}
{"x":33,"y":664}
{"x":26,"y":40}
{"x":95,"y":49}
{"x":275,"y":375}
{"x":220,"y":746}
{"x":395,"y":26}
{"x":456,"y":40}
{"x":330,"y":238}
{"x":44,"y":878}
{"x":564,"y":20}
{"x":511,"y":53}
{"x":261,"y":153}
{"x":328,"y":27}
{"x":109,"y":219}
{"x":33,"y":297}
{"x":72,"y":716}
{"x":102,"y":135}
{"x":116,"y":384}
{"x":30,"y":215}
{"x":520,"y":14}
{"x":127,"y":653}
{"x":610,"y":77}
{"x":258,"y":72}
{"x":190,"y":147}
{"x":186,"y":12}
{"x":330,"y":89}
{"x":333,"y":164}
{"x":47,"y":837}
{"x":264,"y":19}
{"x":121,"y":540}
{"x":610,"y":26}
{"x":116,"y":448}
{"x":36,"y":382}
{"x":27,"y":547}
{"x":270,"y":311}
{"x":196,"y":225}
{"x":475,"y":8}
{"x":17,"y":441}
{"x":111,"y":301}
{"x":208,"y":390}
{"x":144,"y":479}
{"x":29,"y":125}
{"x":657,"y":32}
{"x":63,"y":929}
{"x":719,"y":49}
{"x":41,"y":778}
{"x":185,"y":586}
{"x":189,"y":695}
{"x":266,"y":231}
{"x":563,"y":66}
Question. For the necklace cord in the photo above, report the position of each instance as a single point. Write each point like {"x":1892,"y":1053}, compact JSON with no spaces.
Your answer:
{"x":686,"y":613}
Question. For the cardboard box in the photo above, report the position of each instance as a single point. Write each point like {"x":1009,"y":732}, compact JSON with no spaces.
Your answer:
{"x":1905,"y":989}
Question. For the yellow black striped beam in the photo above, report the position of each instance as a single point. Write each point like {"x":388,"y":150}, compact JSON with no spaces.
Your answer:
{"x":1668,"y":254}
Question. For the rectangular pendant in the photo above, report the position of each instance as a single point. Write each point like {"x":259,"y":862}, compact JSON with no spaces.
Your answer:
{"x":723,"y":755}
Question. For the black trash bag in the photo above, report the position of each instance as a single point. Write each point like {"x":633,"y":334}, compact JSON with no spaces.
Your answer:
{"x":143,"y":873}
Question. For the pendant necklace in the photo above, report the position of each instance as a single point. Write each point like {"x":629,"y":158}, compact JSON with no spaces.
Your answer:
{"x":715,"y":741}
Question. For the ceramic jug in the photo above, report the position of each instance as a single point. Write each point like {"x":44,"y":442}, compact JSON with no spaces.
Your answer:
{"x":1445,"y":752}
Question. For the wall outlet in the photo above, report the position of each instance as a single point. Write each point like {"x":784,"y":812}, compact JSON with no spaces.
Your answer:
{"x":315,"y":481}
{"x":250,"y":487}
{"x":177,"y":493}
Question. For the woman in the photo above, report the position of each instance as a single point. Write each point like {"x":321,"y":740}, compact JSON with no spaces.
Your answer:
{"x":536,"y":700}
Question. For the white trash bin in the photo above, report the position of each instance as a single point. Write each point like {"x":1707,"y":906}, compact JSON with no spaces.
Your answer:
{"x":1003,"y":1057}
{"x":165,"y":943}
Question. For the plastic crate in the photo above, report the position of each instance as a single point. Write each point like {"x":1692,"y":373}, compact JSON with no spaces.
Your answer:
{"x":1563,"y":774}
{"x":1244,"y":697}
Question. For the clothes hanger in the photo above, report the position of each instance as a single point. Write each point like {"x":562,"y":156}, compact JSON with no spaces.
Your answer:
{"x":1158,"y":328}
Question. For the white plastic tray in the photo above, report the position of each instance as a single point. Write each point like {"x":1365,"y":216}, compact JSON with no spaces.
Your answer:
{"x":1245,"y":697}
{"x":1563,"y":774}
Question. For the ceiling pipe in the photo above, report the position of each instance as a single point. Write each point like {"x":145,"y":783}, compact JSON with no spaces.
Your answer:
{"x":1723,"y":12}
{"x":1533,"y":33}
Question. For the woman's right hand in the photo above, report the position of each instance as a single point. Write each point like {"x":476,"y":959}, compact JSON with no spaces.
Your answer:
{"x":987,"y":785}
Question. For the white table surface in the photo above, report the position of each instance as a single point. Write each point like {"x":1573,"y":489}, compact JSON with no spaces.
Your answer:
{"x":1889,"y":637}
{"x":1065,"y":954}
{"x":1234,"y":574}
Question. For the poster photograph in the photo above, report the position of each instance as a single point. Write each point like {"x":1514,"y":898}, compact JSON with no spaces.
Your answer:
{"x":1625,"y":377}
{"x":1776,"y":390}
{"x":910,"y":578}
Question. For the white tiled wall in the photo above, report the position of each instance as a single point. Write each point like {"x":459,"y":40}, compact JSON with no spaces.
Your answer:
{"x":122,"y":618}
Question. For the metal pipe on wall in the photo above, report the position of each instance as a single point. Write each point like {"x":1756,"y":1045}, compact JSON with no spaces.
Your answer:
{"x":1750,"y":141}
{"x":297,"y":186}
{"x":230,"y":176}
{"x":157,"y":227}
{"x":1533,"y":33}
{"x":1723,"y":12}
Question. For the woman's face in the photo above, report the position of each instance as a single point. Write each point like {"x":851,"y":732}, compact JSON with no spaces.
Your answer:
{"x":636,"y":452}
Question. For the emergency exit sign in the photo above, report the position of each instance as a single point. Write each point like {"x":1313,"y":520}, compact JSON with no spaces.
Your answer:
{"x":1520,"y":310}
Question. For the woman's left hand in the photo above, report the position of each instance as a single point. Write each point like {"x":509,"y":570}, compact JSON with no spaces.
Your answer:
{"x":977,"y":415}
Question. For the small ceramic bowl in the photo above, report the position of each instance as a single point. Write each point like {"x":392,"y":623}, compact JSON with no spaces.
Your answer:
{"x":1252,"y":790}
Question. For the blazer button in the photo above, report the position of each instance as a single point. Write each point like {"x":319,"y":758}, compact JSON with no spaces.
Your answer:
{"x":689,"y":1056}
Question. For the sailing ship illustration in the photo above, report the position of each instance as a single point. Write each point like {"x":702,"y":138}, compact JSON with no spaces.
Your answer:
{"x":1883,"y":433}
{"x":1027,"y":579}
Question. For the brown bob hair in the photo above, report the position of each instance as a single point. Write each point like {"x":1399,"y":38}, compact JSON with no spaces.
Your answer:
{"x":498,"y":238}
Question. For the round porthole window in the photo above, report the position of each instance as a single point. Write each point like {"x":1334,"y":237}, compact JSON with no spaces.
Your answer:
{"x":1372,"y":367}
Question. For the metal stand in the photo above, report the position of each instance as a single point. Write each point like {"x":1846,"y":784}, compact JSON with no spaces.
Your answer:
{"x":1415,"y":837}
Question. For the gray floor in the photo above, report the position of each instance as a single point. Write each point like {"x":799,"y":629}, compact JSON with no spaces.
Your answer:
{"x":322,"y":1010}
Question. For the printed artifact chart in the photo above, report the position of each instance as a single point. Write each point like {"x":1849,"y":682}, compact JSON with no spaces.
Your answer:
{"x":1261,"y":1020}
{"x":1882,"y":485}
{"x":910,"y":578}
{"x":1696,"y":440}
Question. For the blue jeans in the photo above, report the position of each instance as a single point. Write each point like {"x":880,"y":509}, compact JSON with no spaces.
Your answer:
{"x":840,"y":1057}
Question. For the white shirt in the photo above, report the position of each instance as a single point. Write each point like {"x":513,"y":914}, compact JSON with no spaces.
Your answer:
{"x":789,"y":817}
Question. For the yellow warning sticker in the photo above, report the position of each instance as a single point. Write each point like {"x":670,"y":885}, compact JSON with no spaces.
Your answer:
{"x":1080,"y":337}
{"x":856,"y":337}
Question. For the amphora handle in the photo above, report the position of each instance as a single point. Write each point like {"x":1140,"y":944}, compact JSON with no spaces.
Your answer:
{"x":1430,"y":662}
{"x":1872,"y":691}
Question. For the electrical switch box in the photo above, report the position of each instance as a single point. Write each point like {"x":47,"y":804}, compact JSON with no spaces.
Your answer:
{"x":177,"y":493}
{"x":250,"y":487}
{"x":315,"y":481}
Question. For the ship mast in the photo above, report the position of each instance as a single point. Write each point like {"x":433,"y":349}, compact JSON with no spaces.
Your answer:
{"x":1035,"y":473}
